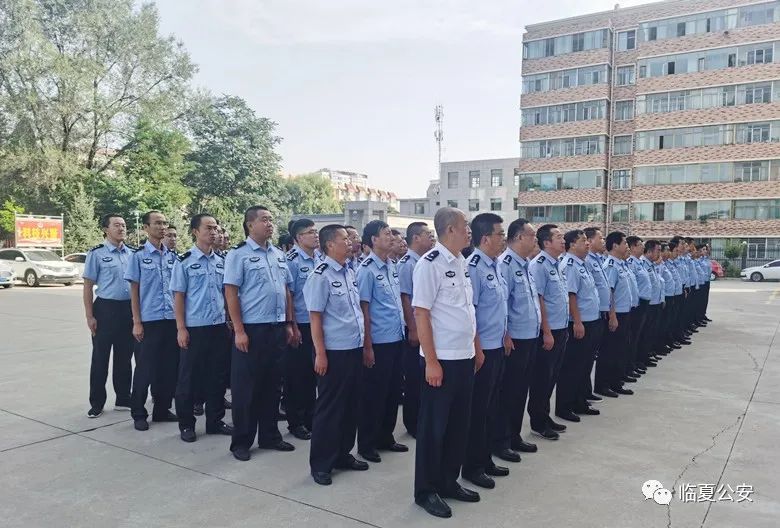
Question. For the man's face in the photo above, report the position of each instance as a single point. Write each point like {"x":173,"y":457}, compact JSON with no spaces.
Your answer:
{"x":225,"y":240}
{"x":354,"y":241}
{"x":461,"y":232}
{"x":157,"y":226}
{"x":580,"y":246}
{"x":308,"y":238}
{"x":206,"y":233}
{"x":494,"y":243}
{"x":621,"y":250}
{"x":527,"y":238}
{"x":116,"y":230}
{"x":262,"y":226}
{"x":218,"y":239}
{"x":425,"y":239}
{"x":655,"y":254}
{"x":556,"y":246}
{"x":638,"y":249}
{"x":403,"y":247}
{"x":384,"y":241}
{"x":340,"y":247}
{"x":597,"y":243}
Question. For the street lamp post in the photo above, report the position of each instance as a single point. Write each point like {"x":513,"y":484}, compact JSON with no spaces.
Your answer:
{"x":137,"y":228}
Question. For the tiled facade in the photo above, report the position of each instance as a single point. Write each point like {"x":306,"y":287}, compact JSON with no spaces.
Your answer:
{"x":741,"y":72}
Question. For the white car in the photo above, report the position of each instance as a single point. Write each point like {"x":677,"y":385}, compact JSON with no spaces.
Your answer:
{"x":78,"y":260}
{"x":770,"y":270}
{"x":39,"y":266}
{"x":7,"y":275}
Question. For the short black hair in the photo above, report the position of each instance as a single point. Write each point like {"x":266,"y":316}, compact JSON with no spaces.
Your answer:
{"x":327,"y":234}
{"x":516,"y":228}
{"x":688,"y":240}
{"x":105,"y":220}
{"x":544,"y":234}
{"x":371,"y":230}
{"x":673,"y":243}
{"x":146,"y":218}
{"x":395,"y":232}
{"x":467,"y":251}
{"x":633,"y":240}
{"x":615,"y":238}
{"x":171,"y":226}
{"x":664,"y":246}
{"x":285,"y":240}
{"x":650,"y":245}
{"x":250,"y":215}
{"x":197,"y":219}
{"x":298,"y":226}
{"x":414,"y":229}
{"x":571,"y":237}
{"x":590,"y":232}
{"x":290,"y":227}
{"x":482,"y":225}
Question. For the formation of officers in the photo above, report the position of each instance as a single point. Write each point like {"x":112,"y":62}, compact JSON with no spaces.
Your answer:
{"x":465,"y":329}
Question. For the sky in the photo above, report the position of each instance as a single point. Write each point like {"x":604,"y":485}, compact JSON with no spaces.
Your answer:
{"x":352,"y":84}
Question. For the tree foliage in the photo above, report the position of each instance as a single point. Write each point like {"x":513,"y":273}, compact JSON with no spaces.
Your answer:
{"x":311,"y":194}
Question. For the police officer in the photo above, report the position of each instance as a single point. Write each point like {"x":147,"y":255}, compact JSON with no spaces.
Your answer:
{"x":610,"y":366}
{"x":171,"y":238}
{"x":595,"y":261}
{"x":667,"y":335}
{"x":446,"y":327}
{"x":639,"y":316}
{"x":585,"y":329}
{"x":680,"y":271}
{"x":706,"y":269}
{"x":108,"y":317}
{"x":490,"y":303}
{"x":523,"y":324}
{"x":299,"y":378}
{"x":554,"y":305}
{"x":337,"y":329}
{"x":355,"y":254}
{"x":199,"y":306}
{"x":380,"y":301}
{"x":258,"y":298}
{"x":420,"y":240}
{"x":650,"y":346}
{"x":154,"y":325}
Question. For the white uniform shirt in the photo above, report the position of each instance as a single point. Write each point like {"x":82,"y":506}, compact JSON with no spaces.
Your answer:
{"x":442,"y":285}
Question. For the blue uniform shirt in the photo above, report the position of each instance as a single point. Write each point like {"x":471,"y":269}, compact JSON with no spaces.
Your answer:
{"x":668,"y":278}
{"x":620,"y":283}
{"x":580,"y":282}
{"x":490,"y":296}
{"x":595,"y":263}
{"x":262,"y":278}
{"x":682,"y":271}
{"x":199,"y":277}
{"x":301,"y":266}
{"x":332,"y":291}
{"x":552,"y":288}
{"x":679,"y":284}
{"x":379,"y":286}
{"x":524,"y":316}
{"x":656,"y":295}
{"x":633,"y":286}
{"x":151,"y":269}
{"x":644,"y":287}
{"x":105,"y":266}
{"x":406,"y":270}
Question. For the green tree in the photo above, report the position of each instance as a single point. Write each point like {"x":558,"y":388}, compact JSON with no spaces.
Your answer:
{"x":311,"y":194}
{"x":81,"y":225}
{"x":7,"y":214}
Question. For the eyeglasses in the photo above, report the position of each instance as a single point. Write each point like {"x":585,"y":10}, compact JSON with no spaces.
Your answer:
{"x":309,"y":232}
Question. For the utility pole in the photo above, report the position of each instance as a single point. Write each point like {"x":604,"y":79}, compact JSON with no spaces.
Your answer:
{"x":438,"y":116}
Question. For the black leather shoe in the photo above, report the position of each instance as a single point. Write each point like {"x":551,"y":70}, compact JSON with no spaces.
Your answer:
{"x":461,"y":494}
{"x":371,"y":456}
{"x":609,"y":393}
{"x":568,"y":416}
{"x":481,"y":480}
{"x":684,"y":342}
{"x":434,"y":505}
{"x":395,"y":447}
{"x":593,"y":398}
{"x":507,"y":455}
{"x":555,"y":426}
{"x":227,"y":403}
{"x":197,"y":409}
{"x":301,"y":432}
{"x":167,"y":417}
{"x":496,"y":471}
{"x":587,"y":411}
{"x":281,"y":445}
{"x":141,"y":425}
{"x":518,"y":444}
{"x":94,"y":412}
{"x":321,"y":478}
{"x":626,"y":392}
{"x":675,"y":346}
{"x":639,"y":371}
{"x":352,"y":463}
{"x":242,"y":454}
{"x":188,"y":435}
{"x":220,"y":428}
{"x":693,"y":331}
{"x":651,"y":363}
{"x":548,"y":433}
{"x":629,"y":379}
{"x":708,"y":319}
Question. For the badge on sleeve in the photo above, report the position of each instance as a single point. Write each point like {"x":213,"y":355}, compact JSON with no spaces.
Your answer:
{"x":304,"y":269}
{"x":490,"y":277}
{"x":450,"y":274}
{"x":147,"y":261}
{"x":254,"y":259}
{"x":107,"y":259}
{"x":336,"y":284}
{"x":195,"y":266}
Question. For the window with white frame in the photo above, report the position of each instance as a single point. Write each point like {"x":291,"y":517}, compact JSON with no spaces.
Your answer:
{"x":626,"y":75}
{"x":624,"y":110}
{"x":622,"y":145}
{"x":621,"y":179}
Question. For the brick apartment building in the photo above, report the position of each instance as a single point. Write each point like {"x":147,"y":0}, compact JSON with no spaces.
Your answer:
{"x":659,"y":119}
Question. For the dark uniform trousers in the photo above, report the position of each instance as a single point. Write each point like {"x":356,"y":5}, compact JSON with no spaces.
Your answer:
{"x":610,"y":367}
{"x":156,"y":364}
{"x":207,"y":348}
{"x":254,"y":380}
{"x":336,"y":412}
{"x":545,"y":375}
{"x":300,"y":381}
{"x":677,"y":321}
{"x":598,"y":346}
{"x":648,"y":344}
{"x":114,"y":330}
{"x":411,"y":368}
{"x":443,"y":427}
{"x":570,"y":390}
{"x":638,"y":320}
{"x":513,"y":393}
{"x":380,"y":396}
{"x":666,"y":332}
{"x":706,"y":299}
{"x":484,"y":399}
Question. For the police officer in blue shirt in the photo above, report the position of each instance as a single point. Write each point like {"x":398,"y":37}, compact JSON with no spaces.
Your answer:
{"x":154,"y":324}
{"x":610,"y":366}
{"x":636,"y":366}
{"x":595,"y":262}
{"x":585,"y":329}
{"x":337,"y":330}
{"x":706,"y":269}
{"x":490,"y":303}
{"x":300,"y":383}
{"x":554,"y":305}
{"x":108,"y":317}
{"x":380,"y":301}
{"x":199,"y":305}
{"x":523,"y":324}
{"x":420,"y":240}
{"x":680,"y":269}
{"x":257,"y":290}
{"x":668,"y":297}
{"x":650,"y":346}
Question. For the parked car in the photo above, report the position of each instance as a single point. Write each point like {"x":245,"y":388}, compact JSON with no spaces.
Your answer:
{"x":770,"y":270}
{"x":7,"y":275}
{"x":717,"y":270}
{"x":39,"y":266}
{"x":78,"y":260}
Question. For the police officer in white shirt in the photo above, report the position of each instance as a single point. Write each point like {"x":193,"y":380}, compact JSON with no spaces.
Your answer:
{"x":446,"y":326}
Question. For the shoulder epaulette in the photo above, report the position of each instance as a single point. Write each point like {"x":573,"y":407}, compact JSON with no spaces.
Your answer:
{"x":474,"y":260}
{"x":184,"y":256}
{"x":131,"y":248}
{"x":99,"y":246}
{"x":222,"y":254}
{"x":240,"y":244}
{"x":508,"y":259}
{"x":610,"y":262}
{"x":403,"y":259}
{"x":321,"y":268}
{"x":367,"y":261}
{"x":540,"y":259}
{"x":292,"y":255}
{"x":432,"y":255}
{"x":570,"y":262}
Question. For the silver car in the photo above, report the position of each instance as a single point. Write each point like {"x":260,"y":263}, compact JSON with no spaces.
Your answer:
{"x":39,"y":266}
{"x":7,"y":275}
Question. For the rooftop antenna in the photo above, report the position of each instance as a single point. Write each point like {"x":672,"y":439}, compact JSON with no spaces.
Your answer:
{"x":438,"y":117}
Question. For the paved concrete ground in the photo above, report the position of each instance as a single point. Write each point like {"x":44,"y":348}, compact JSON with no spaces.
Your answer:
{"x":709,"y":414}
